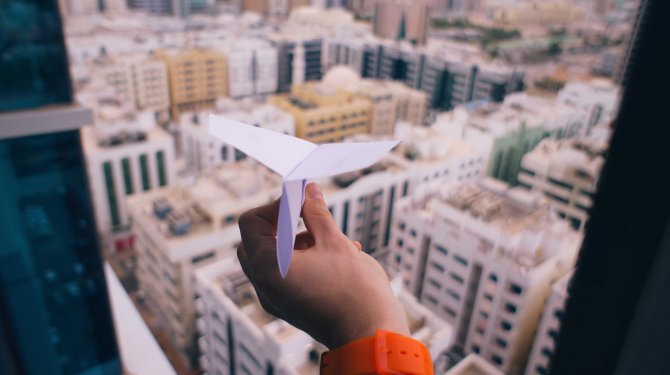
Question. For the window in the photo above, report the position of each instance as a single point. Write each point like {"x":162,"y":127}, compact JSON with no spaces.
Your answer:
{"x":224,"y":153}
{"x":412,"y":233}
{"x":400,"y":242}
{"x":560,"y":183}
{"x":556,"y":197}
{"x":475,"y":349}
{"x":457,"y":278}
{"x":449,"y":311}
{"x":496,"y":359}
{"x":160,"y":161}
{"x":345,"y":217}
{"x":510,"y":308}
{"x":527,"y":171}
{"x":127,"y":176}
{"x":434,"y":283}
{"x":547,"y":352}
{"x":493,"y":277}
{"x":111,"y":193}
{"x":437,"y":266}
{"x":200,"y":258}
{"x":460,"y":260}
{"x":505,"y":325}
{"x":144,"y":169}
{"x":453,"y":294}
{"x":441,"y":249}
{"x":541,"y":370}
{"x":515,"y":289}
{"x":559,"y":314}
{"x":488,"y":297}
{"x":501,"y":342}
{"x":431,"y":299}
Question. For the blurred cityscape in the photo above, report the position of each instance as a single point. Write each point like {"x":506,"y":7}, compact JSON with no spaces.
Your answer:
{"x":504,"y":108}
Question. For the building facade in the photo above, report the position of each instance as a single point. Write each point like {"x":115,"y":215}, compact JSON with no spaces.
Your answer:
{"x":483,"y":257}
{"x":252,"y":68}
{"x":123,"y":161}
{"x":567,"y":173}
{"x":142,"y":83}
{"x":196,"y":77}
{"x":546,"y":336}
{"x":298,"y":59}
{"x":55,"y":315}
{"x":181,"y":228}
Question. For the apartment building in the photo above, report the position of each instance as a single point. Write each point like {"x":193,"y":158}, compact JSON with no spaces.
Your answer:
{"x":401,"y":20}
{"x":362,"y":202}
{"x":252,"y":68}
{"x":125,"y":155}
{"x":567,"y":173}
{"x":298,"y":58}
{"x":181,"y":228}
{"x":599,"y":99}
{"x":391,"y":102}
{"x":197,"y":78}
{"x":203,"y":151}
{"x":483,"y":256}
{"x":325,"y":114}
{"x":546,"y":336}
{"x":450,"y":74}
{"x":238,"y":336}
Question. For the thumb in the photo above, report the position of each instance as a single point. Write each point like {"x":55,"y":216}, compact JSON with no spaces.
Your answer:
{"x":315,"y":214}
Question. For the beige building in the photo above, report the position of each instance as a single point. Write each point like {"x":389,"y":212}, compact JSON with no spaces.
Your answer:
{"x":139,"y":82}
{"x":326,"y":114}
{"x":181,"y":228}
{"x":197,"y":78}
{"x":357,"y":106}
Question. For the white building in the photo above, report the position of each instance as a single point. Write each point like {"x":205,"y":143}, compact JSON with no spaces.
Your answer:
{"x":140,"y":82}
{"x":567,"y":173}
{"x":180,"y":228}
{"x":362,"y":201}
{"x":483,"y":257}
{"x":474,"y":365}
{"x":252,"y":67}
{"x":546,"y":336}
{"x":599,"y":99}
{"x":238,"y":336}
{"x":125,"y":155}
{"x":203,"y":151}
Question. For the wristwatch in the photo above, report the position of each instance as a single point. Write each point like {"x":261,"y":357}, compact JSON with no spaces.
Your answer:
{"x":385,"y":353}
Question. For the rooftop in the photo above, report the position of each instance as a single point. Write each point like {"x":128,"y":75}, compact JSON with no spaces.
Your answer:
{"x":515,"y":225}
{"x":585,"y":154}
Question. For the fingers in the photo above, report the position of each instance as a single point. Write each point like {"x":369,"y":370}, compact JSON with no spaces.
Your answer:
{"x":258,"y":228}
{"x":358,"y":245}
{"x":315,"y":214}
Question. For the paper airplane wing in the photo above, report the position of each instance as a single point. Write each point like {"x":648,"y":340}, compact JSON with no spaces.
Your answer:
{"x":279,"y":152}
{"x":335,"y":158}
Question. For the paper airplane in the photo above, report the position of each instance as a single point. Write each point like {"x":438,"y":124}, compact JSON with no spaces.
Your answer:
{"x":296,"y":160}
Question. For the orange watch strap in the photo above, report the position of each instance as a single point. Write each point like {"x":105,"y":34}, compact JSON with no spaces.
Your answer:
{"x":385,"y":353}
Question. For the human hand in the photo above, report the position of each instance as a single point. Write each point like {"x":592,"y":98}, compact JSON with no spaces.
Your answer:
{"x":333,"y":291}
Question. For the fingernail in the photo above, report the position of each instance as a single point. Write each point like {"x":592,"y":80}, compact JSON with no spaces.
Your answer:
{"x":314,"y":191}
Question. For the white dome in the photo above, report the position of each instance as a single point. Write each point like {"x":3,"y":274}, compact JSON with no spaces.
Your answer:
{"x":340,"y":77}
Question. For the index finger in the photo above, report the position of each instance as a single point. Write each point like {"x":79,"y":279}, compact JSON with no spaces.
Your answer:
{"x":258,"y":228}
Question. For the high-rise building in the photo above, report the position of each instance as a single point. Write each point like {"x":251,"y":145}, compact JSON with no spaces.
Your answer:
{"x":54,"y":309}
{"x":238,"y":336}
{"x":125,"y":155}
{"x":252,"y":68}
{"x":298,"y":59}
{"x":546,"y":336}
{"x":401,"y":19}
{"x":483,"y":257}
{"x":203,"y":151}
{"x":197,"y":78}
{"x":567,"y":173}
{"x":180,"y":228}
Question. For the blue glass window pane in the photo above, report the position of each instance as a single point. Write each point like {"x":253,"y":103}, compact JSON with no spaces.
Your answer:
{"x":54,"y":301}
{"x":33,"y":58}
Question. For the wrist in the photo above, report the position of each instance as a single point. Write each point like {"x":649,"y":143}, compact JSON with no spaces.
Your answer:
{"x":389,"y":322}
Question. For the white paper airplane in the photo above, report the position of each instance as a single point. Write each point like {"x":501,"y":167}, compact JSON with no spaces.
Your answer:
{"x":296,"y":160}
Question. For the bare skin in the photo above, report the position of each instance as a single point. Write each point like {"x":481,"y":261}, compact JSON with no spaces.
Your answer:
{"x":333,"y":291}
